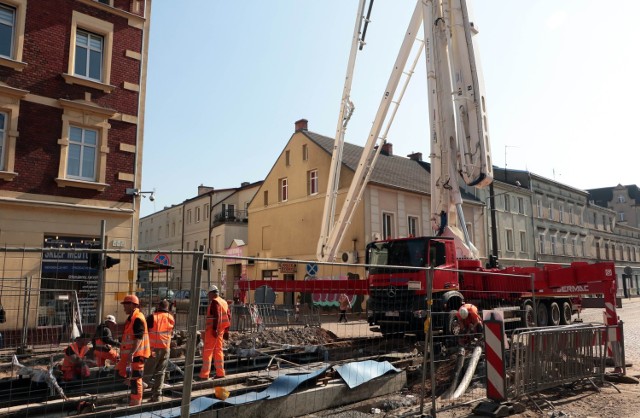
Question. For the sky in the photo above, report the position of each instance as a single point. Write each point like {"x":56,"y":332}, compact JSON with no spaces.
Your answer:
{"x":228,"y":79}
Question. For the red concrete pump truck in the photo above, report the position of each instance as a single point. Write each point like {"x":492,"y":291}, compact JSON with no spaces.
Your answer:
{"x":459,"y":142}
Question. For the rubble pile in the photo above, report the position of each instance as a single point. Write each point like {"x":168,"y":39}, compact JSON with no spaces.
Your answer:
{"x":273,"y":338}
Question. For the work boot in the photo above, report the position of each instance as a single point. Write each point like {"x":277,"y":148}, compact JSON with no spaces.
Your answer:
{"x":135,"y":402}
{"x":154,"y":398}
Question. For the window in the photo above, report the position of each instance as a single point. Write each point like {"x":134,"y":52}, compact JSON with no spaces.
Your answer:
{"x":571,"y":216}
{"x":412,"y":226}
{"x":509,"y":240}
{"x":83,"y":145}
{"x":228,"y":211}
{"x":563,"y":249}
{"x":523,"y":241}
{"x":595,"y":220}
{"x":621,"y":199}
{"x":541,"y":243}
{"x":12,"y":22}
{"x":82,"y":153}
{"x":189,"y":217}
{"x":90,"y":53}
{"x":604,"y":222}
{"x":7,"y":30}
{"x":197,"y":214}
{"x":265,"y":198}
{"x":621,"y":216}
{"x":387,"y":225}
{"x":507,"y":203}
{"x":470,"y":231}
{"x":284,"y":189}
{"x":305,"y":152}
{"x":287,"y":160}
{"x":553,"y":245}
{"x":539,"y":204}
{"x":561,"y":213}
{"x":312,"y":181}
{"x":206,"y":211}
{"x":551,"y":210}
{"x":521,"y":205}
{"x":3,"y":130}
{"x":574,"y":244}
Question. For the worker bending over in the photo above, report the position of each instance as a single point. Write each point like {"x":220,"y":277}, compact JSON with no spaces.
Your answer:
{"x":160,"y":325}
{"x":74,"y":365}
{"x":469,"y":319}
{"x":104,"y":344}
{"x":134,"y":349}
{"x":217,"y":329}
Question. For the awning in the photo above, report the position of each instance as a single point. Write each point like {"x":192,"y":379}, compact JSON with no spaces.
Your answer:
{"x":146,"y":265}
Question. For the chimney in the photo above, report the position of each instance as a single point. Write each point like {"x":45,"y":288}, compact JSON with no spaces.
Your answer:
{"x":387,"y":149}
{"x":416,"y":156}
{"x":202,"y":189}
{"x":301,"y":125}
{"x":244,"y":184}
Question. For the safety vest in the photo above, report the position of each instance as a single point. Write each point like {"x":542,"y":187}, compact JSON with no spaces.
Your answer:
{"x":222,"y":309}
{"x":160,"y":333}
{"x":129,"y":340}
{"x":473,"y":317}
{"x":67,"y":362}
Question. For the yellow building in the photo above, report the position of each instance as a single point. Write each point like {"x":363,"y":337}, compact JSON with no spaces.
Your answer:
{"x":286,"y":213}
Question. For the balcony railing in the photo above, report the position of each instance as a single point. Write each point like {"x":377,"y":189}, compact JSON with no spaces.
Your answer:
{"x":230,"y":215}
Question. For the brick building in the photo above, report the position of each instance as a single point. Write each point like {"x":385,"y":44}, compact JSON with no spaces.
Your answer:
{"x":72,"y":94}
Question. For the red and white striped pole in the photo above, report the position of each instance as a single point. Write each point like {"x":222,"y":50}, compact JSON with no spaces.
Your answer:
{"x":494,"y":351}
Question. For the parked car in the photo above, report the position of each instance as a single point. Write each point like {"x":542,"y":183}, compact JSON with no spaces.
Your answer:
{"x":155,"y":295}
{"x":182,"y":301}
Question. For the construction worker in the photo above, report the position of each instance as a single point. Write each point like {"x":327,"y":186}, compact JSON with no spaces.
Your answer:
{"x":469,"y":320}
{"x":74,"y":364}
{"x":160,"y":324}
{"x":104,"y":344}
{"x":134,"y":349}
{"x":217,"y":326}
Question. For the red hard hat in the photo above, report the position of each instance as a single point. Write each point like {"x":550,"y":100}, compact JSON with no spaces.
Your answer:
{"x":131,"y":299}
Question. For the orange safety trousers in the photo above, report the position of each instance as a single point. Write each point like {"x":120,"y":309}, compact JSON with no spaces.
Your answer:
{"x":101,"y":356}
{"x":80,"y":371}
{"x":212,"y":348}
{"x":135,"y":379}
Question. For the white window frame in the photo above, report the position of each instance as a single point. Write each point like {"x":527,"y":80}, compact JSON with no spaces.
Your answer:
{"x":507,"y":203}
{"x":283,"y":188}
{"x":521,"y":205}
{"x":551,"y":210}
{"x":14,"y":60}
{"x":10,"y":106}
{"x":85,"y":23}
{"x":89,"y":116}
{"x":541,"y":243}
{"x":87,"y":150}
{"x":197,"y":214}
{"x":313,"y":182}
{"x":93,"y":44}
{"x":509,"y":239}
{"x":554,"y":242}
{"x":188,"y":219}
{"x":413,"y":226}
{"x":561,"y":213}
{"x":539,"y":205}
{"x":388,"y":226}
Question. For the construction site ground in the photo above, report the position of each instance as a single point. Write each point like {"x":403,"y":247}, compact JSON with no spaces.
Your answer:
{"x":582,"y":400}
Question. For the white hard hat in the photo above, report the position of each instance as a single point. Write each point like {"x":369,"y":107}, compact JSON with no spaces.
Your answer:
{"x":464,"y":312}
{"x":213,"y":288}
{"x":110,"y":318}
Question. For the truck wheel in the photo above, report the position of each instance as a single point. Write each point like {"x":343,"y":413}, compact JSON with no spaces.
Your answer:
{"x":453,"y":326}
{"x":528,"y":315}
{"x":566,"y":313}
{"x":542,"y":315}
{"x":554,"y":314}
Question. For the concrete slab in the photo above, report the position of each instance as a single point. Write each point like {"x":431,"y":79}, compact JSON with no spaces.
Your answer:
{"x":335,"y":394}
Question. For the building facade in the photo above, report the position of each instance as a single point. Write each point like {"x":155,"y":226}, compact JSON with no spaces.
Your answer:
{"x":287,"y":211}
{"x":72,"y":94}
{"x":216,"y":222}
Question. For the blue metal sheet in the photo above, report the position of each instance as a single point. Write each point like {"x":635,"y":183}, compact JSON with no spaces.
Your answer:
{"x":356,"y":373}
{"x":281,"y":386}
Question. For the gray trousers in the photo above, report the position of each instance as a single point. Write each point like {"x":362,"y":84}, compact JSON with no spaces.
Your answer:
{"x":154,"y":368}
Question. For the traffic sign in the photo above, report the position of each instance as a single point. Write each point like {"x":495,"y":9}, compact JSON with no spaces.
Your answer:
{"x":312,"y":269}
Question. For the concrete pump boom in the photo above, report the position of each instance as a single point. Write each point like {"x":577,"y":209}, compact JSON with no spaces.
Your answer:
{"x":457,"y":115}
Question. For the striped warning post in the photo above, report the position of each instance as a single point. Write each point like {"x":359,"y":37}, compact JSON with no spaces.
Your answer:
{"x":494,"y":351}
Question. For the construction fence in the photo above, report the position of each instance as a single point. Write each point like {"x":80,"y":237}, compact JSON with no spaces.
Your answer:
{"x":404,"y":346}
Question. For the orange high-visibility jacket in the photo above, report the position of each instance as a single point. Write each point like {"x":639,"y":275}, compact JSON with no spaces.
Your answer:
{"x":218,"y":317}
{"x":129,"y":340}
{"x":67,"y":362}
{"x":160,"y":333}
